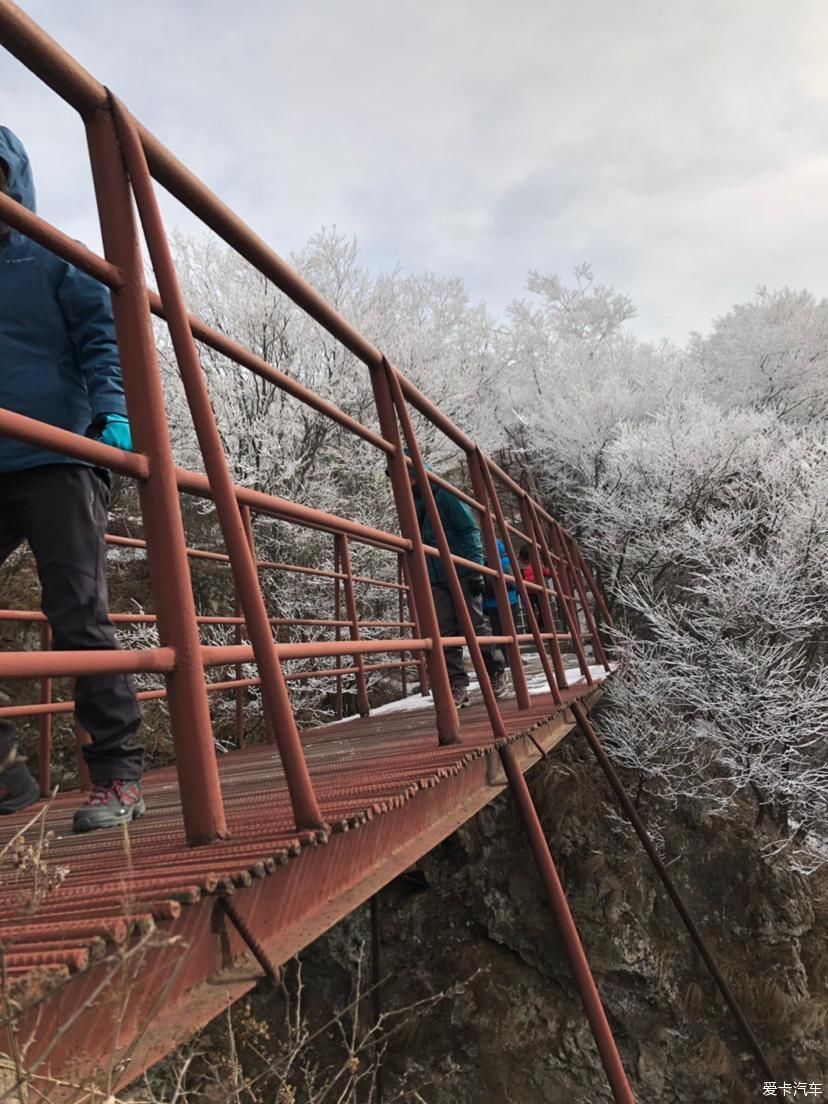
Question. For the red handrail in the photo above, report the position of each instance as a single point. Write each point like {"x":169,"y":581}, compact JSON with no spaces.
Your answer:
{"x":125,"y":158}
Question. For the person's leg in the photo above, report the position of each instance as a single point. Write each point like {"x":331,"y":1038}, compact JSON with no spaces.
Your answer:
{"x":17,"y":787}
{"x":493,"y":614}
{"x":447,"y":620}
{"x":63,"y":512}
{"x":492,"y":653}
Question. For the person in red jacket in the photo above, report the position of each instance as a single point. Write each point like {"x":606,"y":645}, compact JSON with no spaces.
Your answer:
{"x":528,"y":573}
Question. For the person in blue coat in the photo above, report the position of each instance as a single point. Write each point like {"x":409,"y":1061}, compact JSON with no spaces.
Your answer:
{"x":59,"y":364}
{"x":463,"y":536}
{"x":490,"y":601}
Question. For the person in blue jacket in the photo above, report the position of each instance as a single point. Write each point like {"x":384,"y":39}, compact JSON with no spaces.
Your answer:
{"x":463,"y":536}
{"x":59,"y":364}
{"x":490,"y":601}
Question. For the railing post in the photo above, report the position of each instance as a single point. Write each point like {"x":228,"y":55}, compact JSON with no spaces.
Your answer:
{"x":597,"y":643}
{"x":240,"y":690}
{"x":544,"y":603}
{"x":504,"y":606}
{"x":247,"y":522}
{"x":353,"y":616}
{"x":458,"y":598}
{"x":596,"y":590}
{"x":401,"y":617}
{"x":557,"y":574}
{"x":45,"y":722}
{"x":564,"y":582}
{"x":274,"y":688}
{"x":448,"y":723}
{"x":337,"y":627}
{"x":414,"y":616}
{"x":192,"y":734}
{"x":523,"y":590}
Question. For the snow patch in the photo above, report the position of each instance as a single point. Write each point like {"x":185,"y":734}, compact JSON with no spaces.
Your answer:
{"x":536,"y":682}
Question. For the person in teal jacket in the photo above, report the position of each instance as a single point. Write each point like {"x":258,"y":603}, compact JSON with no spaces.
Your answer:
{"x":59,"y":364}
{"x":463,"y":536}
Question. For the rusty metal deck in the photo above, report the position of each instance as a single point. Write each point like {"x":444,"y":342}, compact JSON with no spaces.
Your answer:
{"x":130,"y":954}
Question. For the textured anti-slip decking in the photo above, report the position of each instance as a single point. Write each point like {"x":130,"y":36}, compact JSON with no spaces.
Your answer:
{"x":114,"y":882}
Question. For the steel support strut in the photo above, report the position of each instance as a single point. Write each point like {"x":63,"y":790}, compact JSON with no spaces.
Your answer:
{"x":668,"y":883}
{"x":353,"y":616}
{"x":581,"y":973}
{"x":413,"y":615}
{"x":448,"y":723}
{"x":256,"y":948}
{"x":563,"y":586}
{"x":376,"y":996}
{"x":595,"y":636}
{"x":531,"y":620}
{"x":192,"y":732}
{"x":461,"y":610}
{"x":547,"y":616}
{"x":402,"y":617}
{"x":274,"y":689}
{"x":504,"y":606}
{"x":337,"y":617}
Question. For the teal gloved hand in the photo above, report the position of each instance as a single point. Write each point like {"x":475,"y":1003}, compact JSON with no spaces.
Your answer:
{"x":112,"y":429}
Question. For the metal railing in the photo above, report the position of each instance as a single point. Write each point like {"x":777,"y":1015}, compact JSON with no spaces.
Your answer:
{"x":126,"y":163}
{"x":47,"y":708}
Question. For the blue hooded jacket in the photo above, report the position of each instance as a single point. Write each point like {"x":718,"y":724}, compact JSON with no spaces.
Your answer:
{"x":489,"y":599}
{"x":58,"y":354}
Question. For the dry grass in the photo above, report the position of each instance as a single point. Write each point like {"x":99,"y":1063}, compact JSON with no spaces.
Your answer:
{"x":771,"y":1009}
{"x":31,"y":876}
{"x":245,"y":1058}
{"x":694,"y":999}
{"x":717,"y":1061}
{"x":810,"y":1018}
{"x":593,"y":866}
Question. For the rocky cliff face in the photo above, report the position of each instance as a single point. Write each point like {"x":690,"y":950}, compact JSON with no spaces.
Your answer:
{"x":474,"y":925}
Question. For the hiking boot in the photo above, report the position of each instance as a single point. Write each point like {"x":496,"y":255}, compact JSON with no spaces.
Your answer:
{"x":499,"y":685}
{"x":109,"y":805}
{"x":461,"y":696}
{"x":17,"y":787}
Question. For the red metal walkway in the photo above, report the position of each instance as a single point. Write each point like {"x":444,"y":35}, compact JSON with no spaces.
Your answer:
{"x":132,"y":952}
{"x":116,"y":947}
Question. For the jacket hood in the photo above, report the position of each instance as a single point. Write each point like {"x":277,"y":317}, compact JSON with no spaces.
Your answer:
{"x":428,"y":467}
{"x":13,"y":153}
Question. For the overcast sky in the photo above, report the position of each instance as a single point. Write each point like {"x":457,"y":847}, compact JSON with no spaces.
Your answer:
{"x":679,"y":147}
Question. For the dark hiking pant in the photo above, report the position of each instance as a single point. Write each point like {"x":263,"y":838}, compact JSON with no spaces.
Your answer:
{"x":493,"y":615}
{"x":61,"y":510}
{"x":450,"y":626}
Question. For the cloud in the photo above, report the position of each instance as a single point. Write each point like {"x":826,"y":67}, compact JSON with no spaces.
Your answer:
{"x":677,"y":147}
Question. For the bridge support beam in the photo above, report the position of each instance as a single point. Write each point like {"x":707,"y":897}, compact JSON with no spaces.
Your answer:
{"x":591,"y":735}
{"x":579,"y":965}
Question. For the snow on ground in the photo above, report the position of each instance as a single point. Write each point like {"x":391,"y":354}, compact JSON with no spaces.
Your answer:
{"x":535,"y":679}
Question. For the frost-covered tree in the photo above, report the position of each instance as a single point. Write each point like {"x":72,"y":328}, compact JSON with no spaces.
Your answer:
{"x":771,"y":353}
{"x":698,"y":482}
{"x":425,"y":324}
{"x":696,"y":479}
{"x":275,"y":443}
{"x":716,"y":524}
{"x":573,"y":375}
